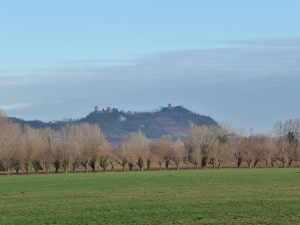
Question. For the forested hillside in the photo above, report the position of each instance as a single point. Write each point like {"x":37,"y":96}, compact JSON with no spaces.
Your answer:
{"x":116,"y":124}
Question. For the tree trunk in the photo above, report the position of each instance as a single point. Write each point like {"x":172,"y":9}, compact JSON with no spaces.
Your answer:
{"x":177,"y":165}
{"x":249,"y":165}
{"x":239,"y":162}
{"x":290,"y":162}
{"x":27,"y":170}
{"x":255,"y":163}
{"x":214,"y":165}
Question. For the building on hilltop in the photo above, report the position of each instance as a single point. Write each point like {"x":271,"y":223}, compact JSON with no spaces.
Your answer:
{"x":122,"y":118}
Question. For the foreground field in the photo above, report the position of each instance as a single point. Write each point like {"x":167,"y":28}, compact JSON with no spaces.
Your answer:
{"x":228,"y":196}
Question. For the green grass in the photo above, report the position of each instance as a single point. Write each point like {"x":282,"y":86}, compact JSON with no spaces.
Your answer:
{"x":228,"y":196}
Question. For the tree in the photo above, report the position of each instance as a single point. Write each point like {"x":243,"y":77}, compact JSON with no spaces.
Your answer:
{"x":139,"y":149}
{"x":267,"y":147}
{"x":235,"y":145}
{"x":68,"y":140}
{"x":283,"y":151}
{"x":248,"y":148}
{"x":112,"y":159}
{"x":29,"y":146}
{"x":163,"y":152}
{"x":49,"y":141}
{"x":178,"y":152}
{"x":194,"y":145}
{"x":222,"y":149}
{"x":105,"y":154}
{"x":92,"y":140}
{"x":288,"y":134}
{"x":293,"y":147}
{"x":10,"y":144}
{"x":121,"y":153}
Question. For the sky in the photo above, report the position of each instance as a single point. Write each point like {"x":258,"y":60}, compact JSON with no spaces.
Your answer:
{"x":236,"y":61}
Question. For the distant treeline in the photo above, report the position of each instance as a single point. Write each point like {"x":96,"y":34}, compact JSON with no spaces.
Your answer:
{"x":84,"y":147}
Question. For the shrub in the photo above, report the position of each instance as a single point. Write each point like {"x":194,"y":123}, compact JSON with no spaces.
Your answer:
{"x":36,"y":165}
{"x":140,"y":163}
{"x":93,"y":163}
{"x":17,"y":166}
{"x":103,"y":162}
{"x":148,"y":164}
{"x":56,"y":165}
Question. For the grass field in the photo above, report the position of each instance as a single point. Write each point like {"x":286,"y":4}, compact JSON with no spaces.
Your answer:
{"x":228,"y":196}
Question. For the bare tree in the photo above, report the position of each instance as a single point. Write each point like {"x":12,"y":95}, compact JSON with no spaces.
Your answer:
{"x":289,"y":131}
{"x":112,"y":159}
{"x":71,"y":142}
{"x":49,"y":143}
{"x":283,"y":151}
{"x":163,"y":152}
{"x":139,"y":149}
{"x":28,"y":149}
{"x":248,"y":148}
{"x":105,"y":154}
{"x":267,"y":147}
{"x":178,"y":152}
{"x":235,"y":146}
{"x":10,"y":137}
{"x":91,"y":139}
{"x":194,"y":145}
{"x":121,"y":153}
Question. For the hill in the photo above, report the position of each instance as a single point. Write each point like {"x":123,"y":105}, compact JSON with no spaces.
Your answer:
{"x":116,"y":124}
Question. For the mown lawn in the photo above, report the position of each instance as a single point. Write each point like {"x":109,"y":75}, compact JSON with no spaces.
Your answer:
{"x":226,"y":196}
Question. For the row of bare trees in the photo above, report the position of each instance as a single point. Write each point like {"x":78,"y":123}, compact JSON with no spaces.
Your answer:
{"x":83,"y":147}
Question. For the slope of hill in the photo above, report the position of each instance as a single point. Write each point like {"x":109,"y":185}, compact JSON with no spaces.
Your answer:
{"x":116,"y":124}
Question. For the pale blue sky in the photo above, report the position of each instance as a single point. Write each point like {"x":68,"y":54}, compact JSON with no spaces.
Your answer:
{"x":237,"y":61}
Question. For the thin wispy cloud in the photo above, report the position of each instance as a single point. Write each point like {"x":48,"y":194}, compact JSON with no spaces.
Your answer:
{"x":218,"y":63}
{"x":92,"y":61}
{"x":16,"y":106}
{"x":289,"y":42}
{"x":4,"y":71}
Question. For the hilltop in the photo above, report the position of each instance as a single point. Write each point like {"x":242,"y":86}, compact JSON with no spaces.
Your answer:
{"x":116,"y":124}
